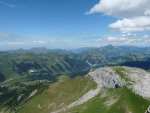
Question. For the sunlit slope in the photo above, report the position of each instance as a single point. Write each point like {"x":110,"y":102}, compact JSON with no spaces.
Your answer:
{"x":115,"y":92}
{"x":104,"y":90}
{"x":114,"y":101}
{"x":58,"y":95}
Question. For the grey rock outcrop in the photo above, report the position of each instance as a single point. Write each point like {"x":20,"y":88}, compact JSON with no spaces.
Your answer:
{"x":107,"y":78}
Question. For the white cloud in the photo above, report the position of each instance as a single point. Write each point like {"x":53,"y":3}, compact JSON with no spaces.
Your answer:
{"x":122,"y":40}
{"x":146,"y":36}
{"x":132,"y":24}
{"x":122,"y":8}
{"x":134,"y":14}
{"x":14,"y":43}
{"x":128,"y":34}
{"x":147,"y":12}
{"x":39,"y":42}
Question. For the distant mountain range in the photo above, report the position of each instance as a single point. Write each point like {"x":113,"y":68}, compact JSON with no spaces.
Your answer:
{"x":42,"y":63}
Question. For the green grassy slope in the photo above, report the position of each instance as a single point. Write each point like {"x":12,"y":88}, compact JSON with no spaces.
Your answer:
{"x":58,"y":95}
{"x":14,"y":93}
{"x":64,"y":92}
{"x":54,"y":96}
{"x":125,"y":102}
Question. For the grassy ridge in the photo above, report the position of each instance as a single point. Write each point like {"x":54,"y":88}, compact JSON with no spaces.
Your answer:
{"x":58,"y":95}
{"x":126,"y":102}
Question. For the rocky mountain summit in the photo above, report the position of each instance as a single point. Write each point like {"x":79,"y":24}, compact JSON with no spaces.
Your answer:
{"x":107,"y":78}
{"x":114,"y":77}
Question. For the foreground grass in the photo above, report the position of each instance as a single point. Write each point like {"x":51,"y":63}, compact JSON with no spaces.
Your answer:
{"x":126,"y":102}
{"x":58,"y":95}
{"x":66,"y":90}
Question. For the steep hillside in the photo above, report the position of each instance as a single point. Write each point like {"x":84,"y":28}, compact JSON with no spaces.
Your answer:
{"x":58,"y":95}
{"x":121,"y":90}
{"x":42,"y":66}
{"x":120,"y":100}
{"x":14,"y":93}
{"x":116,"y":55}
{"x":104,"y":90}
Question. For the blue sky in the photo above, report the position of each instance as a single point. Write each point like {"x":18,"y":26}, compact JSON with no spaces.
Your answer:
{"x":57,"y":24}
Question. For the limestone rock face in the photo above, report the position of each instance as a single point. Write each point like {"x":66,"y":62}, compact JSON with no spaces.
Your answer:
{"x":138,"y":79}
{"x":107,"y":78}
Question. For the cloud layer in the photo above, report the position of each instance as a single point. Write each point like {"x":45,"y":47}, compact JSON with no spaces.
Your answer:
{"x":132,"y":24}
{"x":125,"y":40}
{"x":134,"y":14}
{"x":14,"y":41}
{"x":122,"y":8}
